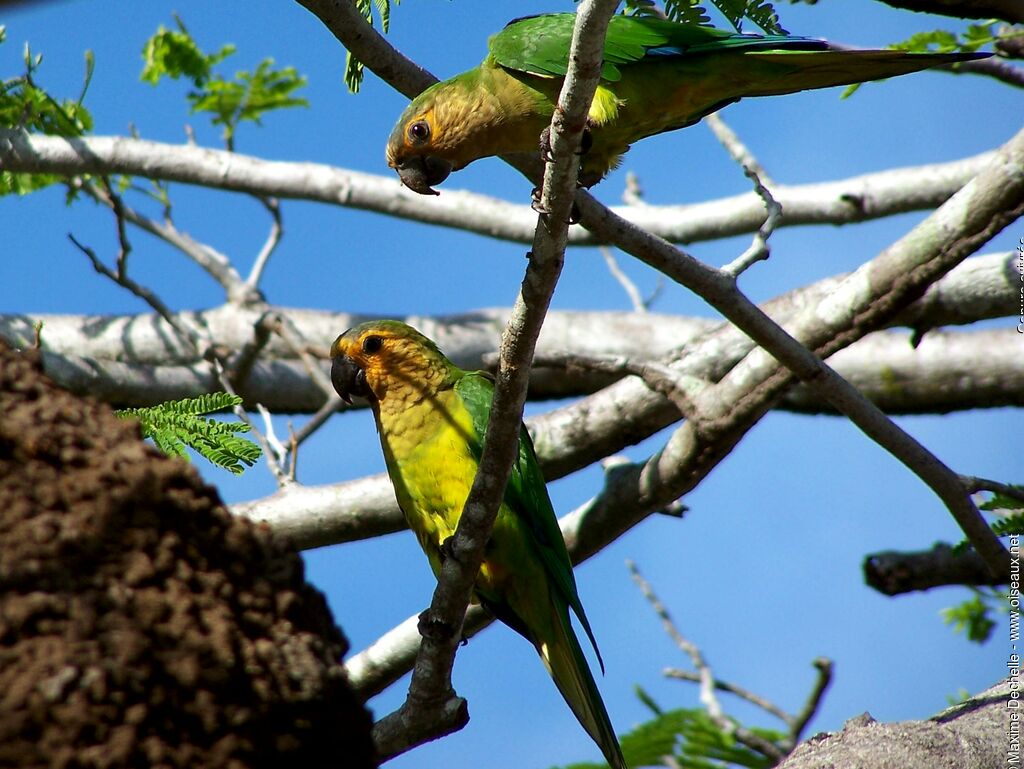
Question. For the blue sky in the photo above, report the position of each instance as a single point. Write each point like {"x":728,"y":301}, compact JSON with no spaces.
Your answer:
{"x":764,"y":572}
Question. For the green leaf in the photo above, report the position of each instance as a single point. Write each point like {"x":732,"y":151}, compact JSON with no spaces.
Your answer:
{"x":941,"y":41}
{"x":25,"y":104}
{"x":693,"y":740}
{"x":1003,"y":502}
{"x":971,"y":617}
{"x":249,"y":95}
{"x":176,"y":424}
{"x":174,"y":54}
{"x":354,"y":67}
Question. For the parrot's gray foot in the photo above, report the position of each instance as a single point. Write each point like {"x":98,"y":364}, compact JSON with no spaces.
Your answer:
{"x":545,"y":145}
{"x":447,"y":549}
{"x":574,"y":215}
{"x":433,"y":628}
{"x":586,"y":142}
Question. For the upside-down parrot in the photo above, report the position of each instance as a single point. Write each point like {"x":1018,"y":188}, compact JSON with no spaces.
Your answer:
{"x":432,"y":417}
{"x":656,"y":76}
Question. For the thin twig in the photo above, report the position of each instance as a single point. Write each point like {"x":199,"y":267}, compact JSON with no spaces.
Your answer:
{"x":737,"y":150}
{"x":187,"y":336}
{"x":273,"y":207}
{"x":431,"y":708}
{"x":801,"y":719}
{"x":241,"y":365}
{"x":633,"y":194}
{"x":269,"y":446}
{"x":293,"y":451}
{"x":292,"y":336}
{"x":706,"y":677}
{"x":315,"y":422}
{"x":678,"y":387}
{"x":731,"y":688}
{"x":753,"y":170}
{"x":973,"y":485}
{"x":216,"y":264}
{"x":639,"y":305}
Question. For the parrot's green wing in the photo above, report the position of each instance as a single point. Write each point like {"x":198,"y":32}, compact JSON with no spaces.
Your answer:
{"x":539,"y":45}
{"x":527,"y":496}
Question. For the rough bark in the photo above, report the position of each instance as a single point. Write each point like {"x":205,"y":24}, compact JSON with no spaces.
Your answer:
{"x":971,"y":735}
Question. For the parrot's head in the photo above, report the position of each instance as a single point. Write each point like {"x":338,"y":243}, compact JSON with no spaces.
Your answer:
{"x":384,"y":359}
{"x":437,"y":134}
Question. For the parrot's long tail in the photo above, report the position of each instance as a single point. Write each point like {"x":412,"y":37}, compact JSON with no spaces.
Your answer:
{"x":784,"y":71}
{"x":564,"y":660}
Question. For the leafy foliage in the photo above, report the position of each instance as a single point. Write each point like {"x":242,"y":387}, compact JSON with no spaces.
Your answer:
{"x":23,"y":103}
{"x":682,"y":11}
{"x":1008,"y":524}
{"x":174,"y":54}
{"x":761,"y":12}
{"x":173,"y":425}
{"x":354,"y":67}
{"x":973,"y":617}
{"x":691,"y":737}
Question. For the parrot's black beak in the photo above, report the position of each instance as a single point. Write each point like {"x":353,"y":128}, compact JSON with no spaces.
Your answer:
{"x":420,"y":172}
{"x":348,"y":379}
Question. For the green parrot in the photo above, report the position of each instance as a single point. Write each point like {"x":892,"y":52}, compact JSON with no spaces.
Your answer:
{"x":432,"y":417}
{"x":657,"y":76}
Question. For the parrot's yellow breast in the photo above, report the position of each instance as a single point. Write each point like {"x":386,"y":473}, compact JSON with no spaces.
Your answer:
{"x":427,"y":448}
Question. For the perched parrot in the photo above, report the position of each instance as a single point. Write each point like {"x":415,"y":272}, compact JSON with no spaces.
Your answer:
{"x":657,"y":76}
{"x":432,"y":417}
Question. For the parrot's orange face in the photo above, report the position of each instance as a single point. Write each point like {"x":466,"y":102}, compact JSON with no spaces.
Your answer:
{"x":412,"y":148}
{"x":381,"y":358}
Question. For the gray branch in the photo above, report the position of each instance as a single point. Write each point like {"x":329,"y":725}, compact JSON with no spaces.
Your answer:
{"x":1007,"y":10}
{"x":138,"y":360}
{"x":893,"y":573}
{"x":845,"y":201}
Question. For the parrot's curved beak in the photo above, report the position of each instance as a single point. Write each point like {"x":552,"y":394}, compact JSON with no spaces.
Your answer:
{"x":420,"y":172}
{"x":348,"y":379}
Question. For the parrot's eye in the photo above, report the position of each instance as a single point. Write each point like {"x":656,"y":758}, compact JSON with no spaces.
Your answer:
{"x":419,"y":131}
{"x":372,"y":344}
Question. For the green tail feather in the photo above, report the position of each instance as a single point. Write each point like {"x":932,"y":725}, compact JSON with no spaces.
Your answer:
{"x":569,"y":669}
{"x":803,"y":71}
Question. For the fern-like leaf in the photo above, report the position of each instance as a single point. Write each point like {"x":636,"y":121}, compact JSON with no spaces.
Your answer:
{"x":354,"y":67}
{"x":173,"y":425}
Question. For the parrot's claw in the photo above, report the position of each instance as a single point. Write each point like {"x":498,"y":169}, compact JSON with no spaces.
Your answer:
{"x":574,"y":215}
{"x":433,"y":628}
{"x":545,"y":145}
{"x":535,"y":195}
{"x":447,"y":549}
{"x":586,"y":142}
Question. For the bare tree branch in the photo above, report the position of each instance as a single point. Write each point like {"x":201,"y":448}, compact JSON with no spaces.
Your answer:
{"x":431,"y":698}
{"x":367,"y":45}
{"x":846,"y":201}
{"x":136,"y":360}
{"x":1008,"y":10}
{"x":999,"y":191}
{"x":892,"y":572}
{"x":996,"y":68}
{"x":706,"y":678}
